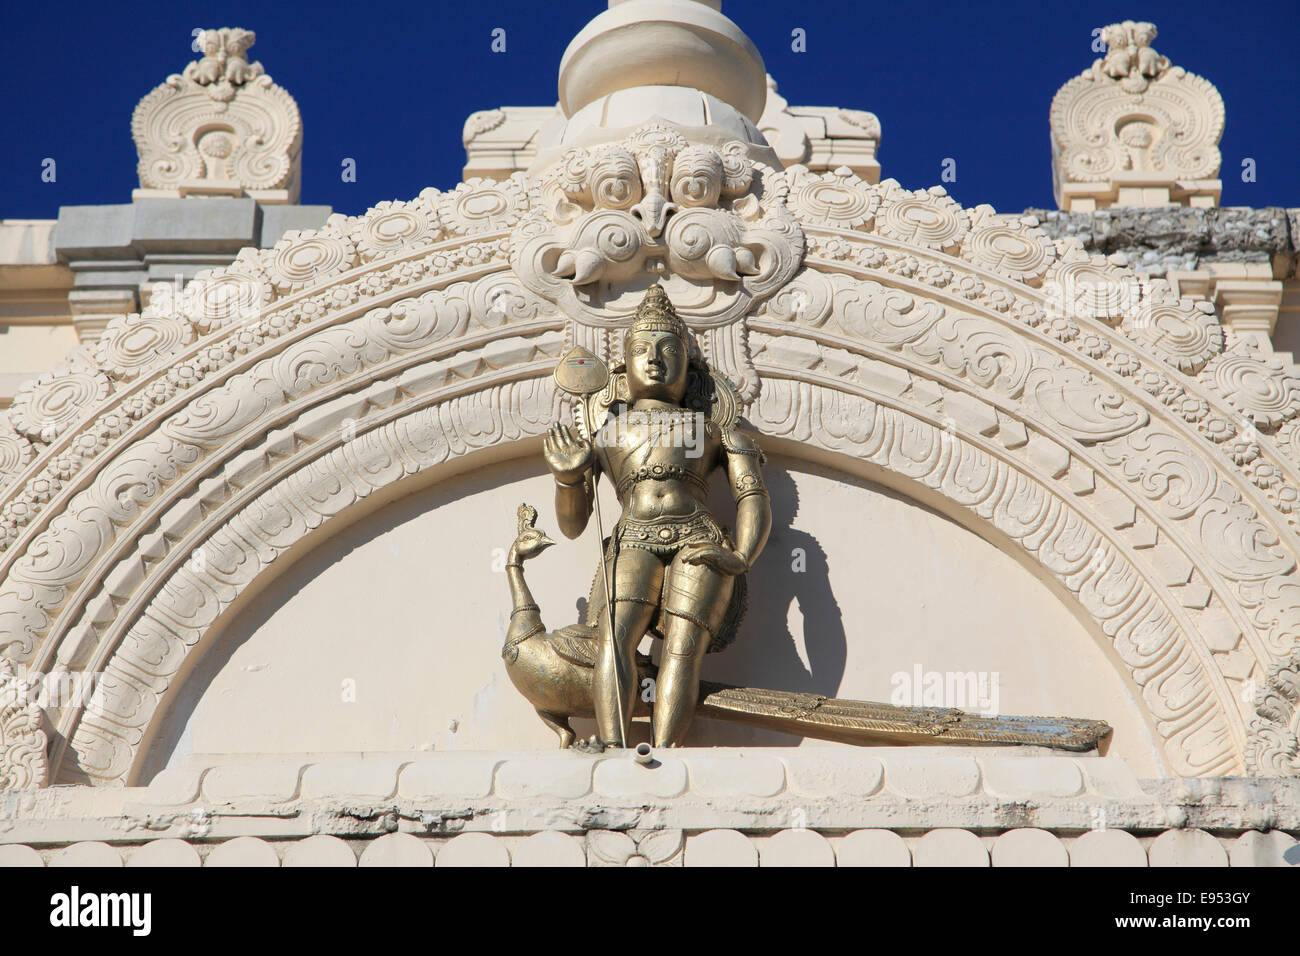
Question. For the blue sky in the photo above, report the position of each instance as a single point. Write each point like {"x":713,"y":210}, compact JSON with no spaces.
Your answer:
{"x":389,"y":85}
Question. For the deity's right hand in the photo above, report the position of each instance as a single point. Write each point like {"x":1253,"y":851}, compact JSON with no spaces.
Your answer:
{"x":567,"y":455}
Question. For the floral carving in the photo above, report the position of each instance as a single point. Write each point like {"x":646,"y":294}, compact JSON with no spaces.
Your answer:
{"x":1185,"y":334}
{"x":23,"y":761}
{"x":1017,"y":249}
{"x":15,"y":453}
{"x":929,"y":218}
{"x":132,"y":344}
{"x":300,"y":258}
{"x":394,"y":227}
{"x":484,"y":205}
{"x":837,"y":199}
{"x":1259,"y":387}
{"x":1273,"y":749}
{"x":46,"y":406}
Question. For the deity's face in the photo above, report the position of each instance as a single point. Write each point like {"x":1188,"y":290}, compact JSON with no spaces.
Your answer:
{"x":656,"y":366}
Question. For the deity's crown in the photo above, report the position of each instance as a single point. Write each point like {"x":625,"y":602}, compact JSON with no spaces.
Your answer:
{"x":656,"y":314}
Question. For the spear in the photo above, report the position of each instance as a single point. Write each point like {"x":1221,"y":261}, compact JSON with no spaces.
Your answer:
{"x":582,"y":374}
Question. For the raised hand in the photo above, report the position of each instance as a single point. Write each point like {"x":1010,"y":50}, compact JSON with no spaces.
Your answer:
{"x":567,"y":455}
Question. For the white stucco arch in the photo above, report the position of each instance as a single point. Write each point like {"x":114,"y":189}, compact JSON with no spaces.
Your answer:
{"x":937,"y":344}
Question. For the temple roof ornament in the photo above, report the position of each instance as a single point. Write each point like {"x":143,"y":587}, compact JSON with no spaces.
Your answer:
{"x":1132,"y":130}
{"x":219,"y":128}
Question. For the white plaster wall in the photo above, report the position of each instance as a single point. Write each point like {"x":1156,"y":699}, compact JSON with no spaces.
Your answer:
{"x":386,"y":637}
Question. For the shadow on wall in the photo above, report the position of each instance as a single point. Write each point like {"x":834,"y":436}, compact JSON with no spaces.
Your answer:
{"x":791,"y":609}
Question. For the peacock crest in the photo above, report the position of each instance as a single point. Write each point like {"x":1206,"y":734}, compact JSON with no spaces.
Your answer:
{"x":527,"y":517}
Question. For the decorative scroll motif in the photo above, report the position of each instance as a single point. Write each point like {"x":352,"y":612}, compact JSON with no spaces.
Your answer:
{"x":707,"y":223}
{"x":221,"y":126}
{"x":1274,"y":748}
{"x":23,"y":760}
{"x":1132,"y":118}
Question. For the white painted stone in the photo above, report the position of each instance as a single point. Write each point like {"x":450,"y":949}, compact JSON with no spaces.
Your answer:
{"x":173,"y":787}
{"x":1111,"y":779}
{"x":243,"y":851}
{"x":1029,"y":846}
{"x":843,"y":773}
{"x":1186,"y":848}
{"x":1107,"y":848}
{"x":168,"y":852}
{"x":739,"y":774}
{"x":1265,"y":849}
{"x":364,"y":779}
{"x":610,"y":848}
{"x":91,"y":853}
{"x":473,"y":849}
{"x":448,"y":776}
{"x":926,"y":777}
{"x":949,"y":847}
{"x":1026,"y":778}
{"x":549,"y":848}
{"x":720,"y":848}
{"x":18,"y":854}
{"x":873,"y":848}
{"x":275,"y":782}
{"x":566,"y":778}
{"x":397,"y":849}
{"x":320,"y":850}
{"x":796,"y":848}
{"x":624,"y":778}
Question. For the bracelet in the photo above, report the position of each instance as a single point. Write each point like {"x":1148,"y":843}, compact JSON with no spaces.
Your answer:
{"x":581,"y":482}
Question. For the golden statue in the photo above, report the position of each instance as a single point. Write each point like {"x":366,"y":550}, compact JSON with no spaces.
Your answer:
{"x":671,"y":569}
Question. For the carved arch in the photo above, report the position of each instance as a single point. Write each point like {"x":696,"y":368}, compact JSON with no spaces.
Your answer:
{"x":1107,"y":432}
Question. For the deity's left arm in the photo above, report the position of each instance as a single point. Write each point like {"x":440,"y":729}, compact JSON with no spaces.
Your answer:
{"x":745,"y":475}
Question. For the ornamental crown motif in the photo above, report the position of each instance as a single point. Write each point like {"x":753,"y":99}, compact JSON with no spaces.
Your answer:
{"x":224,"y":65}
{"x":1132,"y":130}
{"x":1130,"y":58}
{"x":656,"y":314}
{"x":220,"y":127}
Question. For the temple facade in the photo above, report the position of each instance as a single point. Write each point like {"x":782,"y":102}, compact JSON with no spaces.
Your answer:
{"x":260,"y":465}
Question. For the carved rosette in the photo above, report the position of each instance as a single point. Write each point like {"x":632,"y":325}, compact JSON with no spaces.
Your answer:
{"x":1131,"y":118}
{"x":23,"y":761}
{"x":47,"y":406}
{"x":221,"y":126}
{"x":132,"y":344}
{"x":1260,"y":387}
{"x":479,"y":206}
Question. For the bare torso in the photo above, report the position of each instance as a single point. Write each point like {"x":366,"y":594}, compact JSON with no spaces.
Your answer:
{"x":659,"y":461}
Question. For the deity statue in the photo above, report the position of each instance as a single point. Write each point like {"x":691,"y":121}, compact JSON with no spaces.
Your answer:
{"x":658,"y":426}
{"x":668,"y":559}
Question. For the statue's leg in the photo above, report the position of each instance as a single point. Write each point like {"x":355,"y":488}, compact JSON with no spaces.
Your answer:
{"x":695,"y":602}
{"x":560,"y":724}
{"x":637,"y":580}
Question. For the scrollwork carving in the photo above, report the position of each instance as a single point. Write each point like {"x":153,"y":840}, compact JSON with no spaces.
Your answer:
{"x":23,"y":761}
